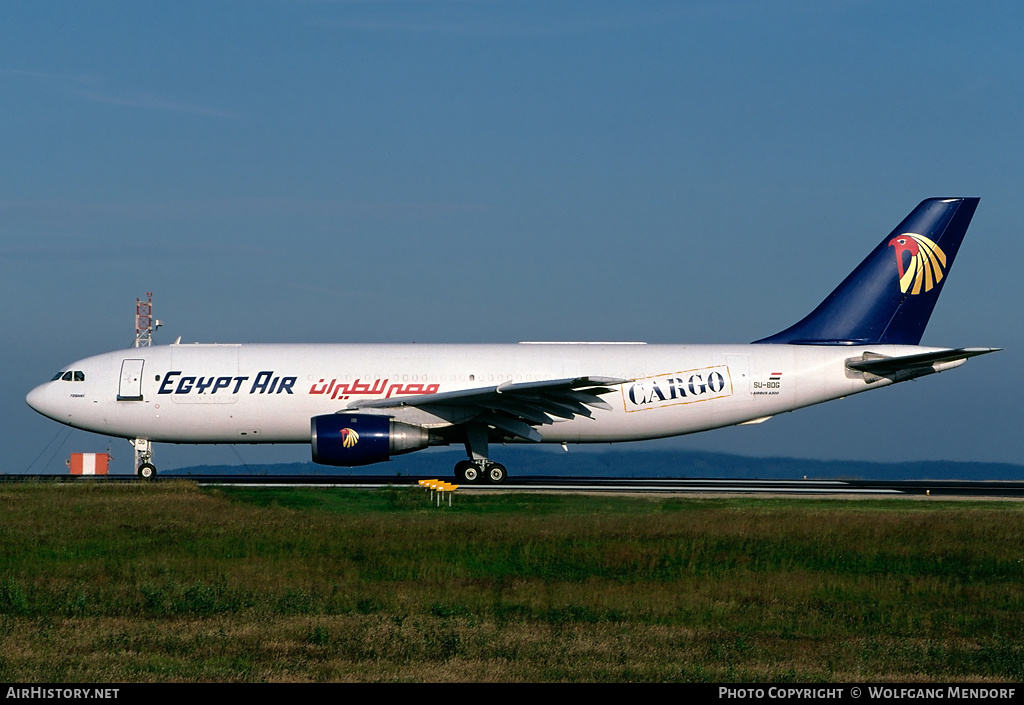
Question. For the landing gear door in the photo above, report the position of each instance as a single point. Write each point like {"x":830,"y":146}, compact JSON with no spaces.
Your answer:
{"x":130,"y":387}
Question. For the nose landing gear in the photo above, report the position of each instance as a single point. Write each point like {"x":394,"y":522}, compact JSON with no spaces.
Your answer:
{"x":143,"y":459}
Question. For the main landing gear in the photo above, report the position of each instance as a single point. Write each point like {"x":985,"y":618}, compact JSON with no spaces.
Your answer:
{"x":471,"y":472}
{"x":479,"y":468}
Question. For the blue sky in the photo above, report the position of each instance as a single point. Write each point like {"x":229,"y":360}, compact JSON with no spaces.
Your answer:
{"x":503,"y":170}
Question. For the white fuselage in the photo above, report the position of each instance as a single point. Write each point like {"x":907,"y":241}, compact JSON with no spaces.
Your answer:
{"x":268,"y":393}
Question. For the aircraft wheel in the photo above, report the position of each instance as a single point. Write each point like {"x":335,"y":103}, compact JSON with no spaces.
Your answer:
{"x":496,"y":473}
{"x":467,"y":471}
{"x":147,"y":471}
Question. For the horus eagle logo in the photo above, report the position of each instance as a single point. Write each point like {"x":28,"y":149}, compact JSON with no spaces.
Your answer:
{"x":927,"y":260}
{"x":349,"y":437}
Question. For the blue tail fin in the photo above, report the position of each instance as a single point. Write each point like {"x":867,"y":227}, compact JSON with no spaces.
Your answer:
{"x":890,"y":296}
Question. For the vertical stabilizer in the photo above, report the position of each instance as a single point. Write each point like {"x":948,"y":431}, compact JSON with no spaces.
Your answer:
{"x":890,"y":296}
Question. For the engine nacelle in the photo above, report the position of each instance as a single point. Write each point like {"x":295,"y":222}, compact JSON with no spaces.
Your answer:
{"x":347,"y":440}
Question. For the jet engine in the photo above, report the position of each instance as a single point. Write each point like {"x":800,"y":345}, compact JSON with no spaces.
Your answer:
{"x":347,"y":440}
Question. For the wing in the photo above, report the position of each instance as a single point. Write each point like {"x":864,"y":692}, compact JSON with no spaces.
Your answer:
{"x":512,"y":407}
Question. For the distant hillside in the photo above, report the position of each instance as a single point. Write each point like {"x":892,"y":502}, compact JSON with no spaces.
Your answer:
{"x":676,"y":463}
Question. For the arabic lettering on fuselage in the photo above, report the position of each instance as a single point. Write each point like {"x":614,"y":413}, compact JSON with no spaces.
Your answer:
{"x":379,"y":387}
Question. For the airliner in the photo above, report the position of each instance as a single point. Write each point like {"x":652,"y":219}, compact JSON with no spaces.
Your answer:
{"x":362,"y":404}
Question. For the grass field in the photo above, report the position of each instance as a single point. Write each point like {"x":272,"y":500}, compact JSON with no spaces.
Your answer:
{"x":166,"y":582}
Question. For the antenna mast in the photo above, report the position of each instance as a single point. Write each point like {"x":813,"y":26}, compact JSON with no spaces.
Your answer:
{"x":145,"y":325}
{"x":144,"y":321}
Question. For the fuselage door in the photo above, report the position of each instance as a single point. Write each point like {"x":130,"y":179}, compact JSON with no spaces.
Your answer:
{"x":130,"y":388}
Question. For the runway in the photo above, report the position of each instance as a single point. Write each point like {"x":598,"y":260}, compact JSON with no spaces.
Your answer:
{"x":866,"y":488}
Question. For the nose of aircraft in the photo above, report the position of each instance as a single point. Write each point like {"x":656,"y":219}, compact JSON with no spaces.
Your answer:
{"x":40,"y":400}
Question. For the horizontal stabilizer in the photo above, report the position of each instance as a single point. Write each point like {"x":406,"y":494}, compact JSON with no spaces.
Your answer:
{"x":883,"y":366}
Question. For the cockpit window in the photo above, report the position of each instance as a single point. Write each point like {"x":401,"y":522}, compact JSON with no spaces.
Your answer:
{"x":69,"y":375}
